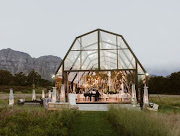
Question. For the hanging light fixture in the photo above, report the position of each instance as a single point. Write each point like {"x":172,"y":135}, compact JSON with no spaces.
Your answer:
{"x":11,"y":98}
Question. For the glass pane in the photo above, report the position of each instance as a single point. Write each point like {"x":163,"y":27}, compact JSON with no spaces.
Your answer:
{"x":108,"y":41}
{"x":108,"y":59}
{"x":139,"y":69}
{"x":121,"y":43}
{"x":71,"y":76}
{"x":72,"y":61}
{"x":76,"y":65}
{"x":78,"y":77}
{"x":81,"y":81}
{"x":76,"y":45}
{"x":87,"y":57}
{"x":67,"y":64}
{"x":59,"y":73}
{"x":91,"y":47}
{"x":105,"y":45}
{"x":125,"y":59}
{"x":89,"y":41}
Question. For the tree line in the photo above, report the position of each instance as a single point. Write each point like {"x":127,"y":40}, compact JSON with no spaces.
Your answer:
{"x":20,"y":79}
{"x":165,"y":85}
{"x":157,"y":84}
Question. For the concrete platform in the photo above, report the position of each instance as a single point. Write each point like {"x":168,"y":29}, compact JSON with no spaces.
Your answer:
{"x":101,"y":102}
{"x":103,"y":107}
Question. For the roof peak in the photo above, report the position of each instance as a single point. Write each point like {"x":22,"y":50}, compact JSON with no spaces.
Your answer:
{"x":99,"y":29}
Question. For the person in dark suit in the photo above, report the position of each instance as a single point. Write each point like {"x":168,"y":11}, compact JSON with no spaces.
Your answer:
{"x":97,"y":95}
{"x":90,"y":95}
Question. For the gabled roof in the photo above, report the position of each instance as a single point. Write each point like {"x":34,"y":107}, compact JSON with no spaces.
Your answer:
{"x":100,"y":50}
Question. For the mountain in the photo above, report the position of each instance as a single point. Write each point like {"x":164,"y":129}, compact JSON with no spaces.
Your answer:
{"x":16,"y":61}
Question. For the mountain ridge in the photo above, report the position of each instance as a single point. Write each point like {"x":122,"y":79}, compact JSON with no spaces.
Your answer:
{"x":17,"y":61}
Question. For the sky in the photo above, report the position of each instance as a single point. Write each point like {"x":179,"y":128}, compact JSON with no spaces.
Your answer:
{"x":48,"y":27}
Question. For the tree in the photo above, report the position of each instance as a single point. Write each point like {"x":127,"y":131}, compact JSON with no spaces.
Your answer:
{"x":33,"y":79}
{"x":158,"y":84}
{"x":165,"y":85}
{"x":44,"y":82}
{"x":6,"y":77}
{"x":20,"y":79}
{"x":174,"y":82}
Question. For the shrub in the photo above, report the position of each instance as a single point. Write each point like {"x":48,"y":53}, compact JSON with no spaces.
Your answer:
{"x":139,"y":123}
{"x":30,"y":121}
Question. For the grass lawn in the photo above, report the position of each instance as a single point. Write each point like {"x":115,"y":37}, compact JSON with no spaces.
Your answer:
{"x":92,"y":124}
{"x":4,"y":98}
{"x":167,"y":103}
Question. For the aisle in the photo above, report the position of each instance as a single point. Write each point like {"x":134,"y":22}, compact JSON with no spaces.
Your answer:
{"x":92,"y":124}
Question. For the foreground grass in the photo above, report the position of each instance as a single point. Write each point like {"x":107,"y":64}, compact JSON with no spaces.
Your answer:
{"x":139,"y":123}
{"x":92,"y":124}
{"x":19,"y":120}
{"x":28,"y":121}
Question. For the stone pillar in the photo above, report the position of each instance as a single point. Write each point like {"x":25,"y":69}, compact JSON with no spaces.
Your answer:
{"x":145,"y":98}
{"x":11,"y":98}
{"x":33,"y":95}
{"x":62,"y":94}
{"x":54,"y":94}
{"x":133,"y":95}
{"x":43,"y":94}
{"x":49,"y":94}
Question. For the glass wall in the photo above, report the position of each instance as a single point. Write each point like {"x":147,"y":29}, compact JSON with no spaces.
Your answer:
{"x":99,"y":50}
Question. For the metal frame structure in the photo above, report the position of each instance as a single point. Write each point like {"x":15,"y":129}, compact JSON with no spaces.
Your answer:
{"x":99,"y":50}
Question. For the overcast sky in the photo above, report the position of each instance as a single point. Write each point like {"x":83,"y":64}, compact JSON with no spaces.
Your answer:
{"x":48,"y":27}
